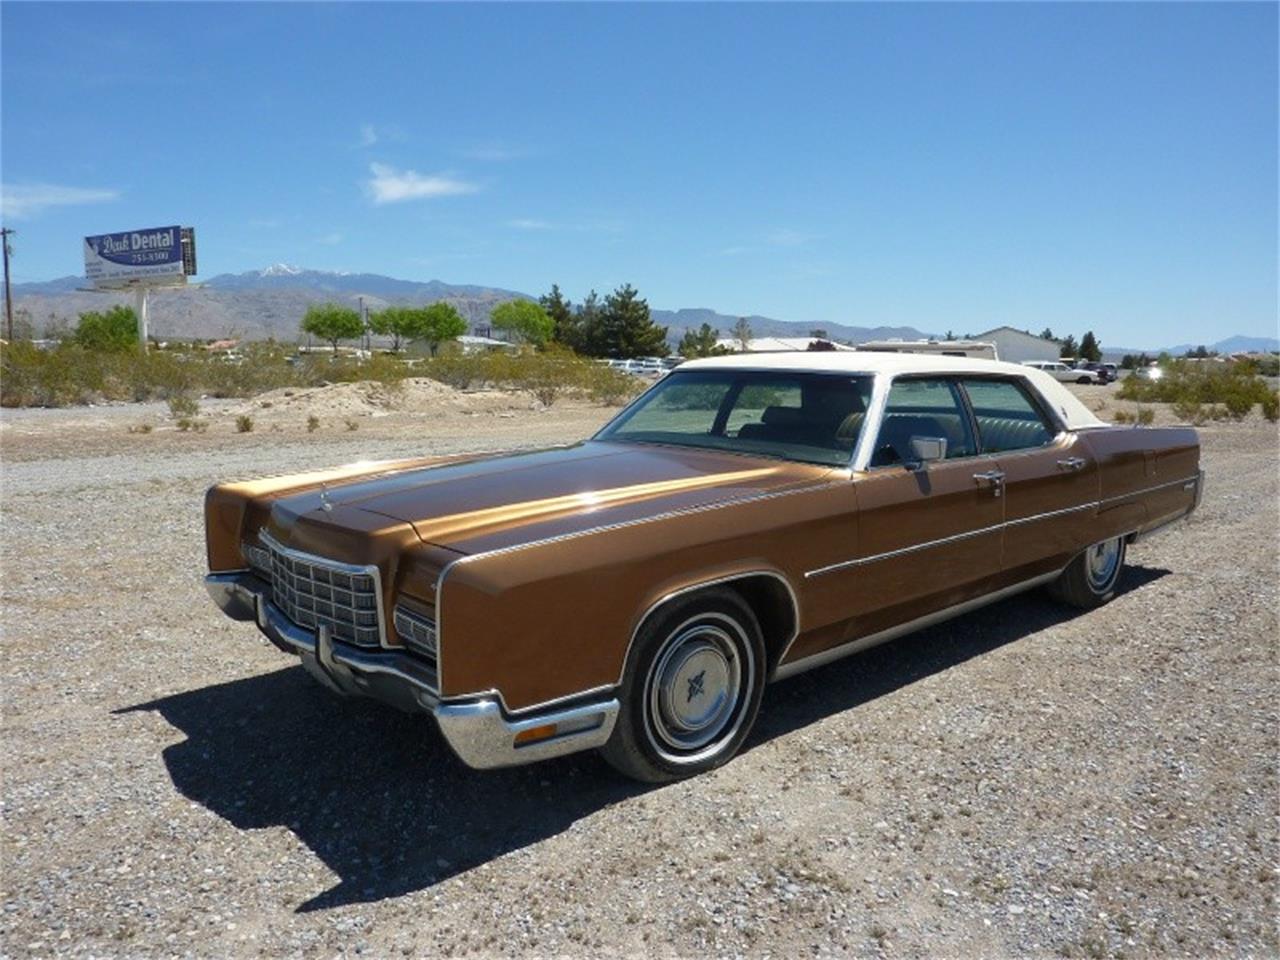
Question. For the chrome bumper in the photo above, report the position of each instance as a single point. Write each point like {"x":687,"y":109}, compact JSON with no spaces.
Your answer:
{"x":476,"y":727}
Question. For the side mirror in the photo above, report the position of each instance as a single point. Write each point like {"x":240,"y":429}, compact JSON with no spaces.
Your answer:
{"x":926,"y":449}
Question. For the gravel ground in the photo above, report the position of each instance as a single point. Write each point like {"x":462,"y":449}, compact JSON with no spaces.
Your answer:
{"x":1027,"y":781}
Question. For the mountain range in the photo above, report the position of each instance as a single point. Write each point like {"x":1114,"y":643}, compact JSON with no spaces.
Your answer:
{"x":271,"y":302}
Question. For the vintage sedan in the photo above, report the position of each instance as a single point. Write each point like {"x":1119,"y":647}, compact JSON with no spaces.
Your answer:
{"x":746,"y":518}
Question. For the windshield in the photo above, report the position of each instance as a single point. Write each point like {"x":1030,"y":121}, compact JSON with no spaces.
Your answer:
{"x":811,"y":417}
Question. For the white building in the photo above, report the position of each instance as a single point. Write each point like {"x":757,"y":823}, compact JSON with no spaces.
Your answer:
{"x":1015,"y":346}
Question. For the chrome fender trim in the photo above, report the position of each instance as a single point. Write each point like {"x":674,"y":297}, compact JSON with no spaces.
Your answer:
{"x":483,"y":738}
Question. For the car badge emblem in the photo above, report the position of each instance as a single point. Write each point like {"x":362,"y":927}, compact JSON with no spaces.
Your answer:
{"x":695,"y":686}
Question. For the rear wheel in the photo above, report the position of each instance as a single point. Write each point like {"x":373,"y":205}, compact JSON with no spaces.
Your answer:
{"x":1090,"y":579}
{"x":1084,"y":380}
{"x":691,"y":690}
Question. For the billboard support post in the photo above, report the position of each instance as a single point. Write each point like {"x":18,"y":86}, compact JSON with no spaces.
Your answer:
{"x":141,"y":300}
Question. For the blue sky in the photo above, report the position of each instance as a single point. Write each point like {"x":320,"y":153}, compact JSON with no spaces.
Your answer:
{"x":1111,"y":167}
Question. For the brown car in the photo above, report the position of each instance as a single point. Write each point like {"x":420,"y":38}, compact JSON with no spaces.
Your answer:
{"x":747,"y":518}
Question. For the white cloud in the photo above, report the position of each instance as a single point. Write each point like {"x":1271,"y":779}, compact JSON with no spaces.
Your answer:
{"x":21,"y":201}
{"x":389,"y":185}
{"x":330,"y":239}
{"x":368,"y":135}
{"x":494,"y":152}
{"x":525,"y":224}
{"x":786,"y":237}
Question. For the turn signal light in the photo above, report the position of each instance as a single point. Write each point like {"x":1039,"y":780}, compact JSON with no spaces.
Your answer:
{"x":534,"y":734}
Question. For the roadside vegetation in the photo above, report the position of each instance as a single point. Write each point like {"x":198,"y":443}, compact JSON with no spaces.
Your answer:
{"x":1201,"y":391}
{"x":71,"y":374}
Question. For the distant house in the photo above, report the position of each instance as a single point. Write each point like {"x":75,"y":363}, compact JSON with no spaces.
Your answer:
{"x":1018,"y":345}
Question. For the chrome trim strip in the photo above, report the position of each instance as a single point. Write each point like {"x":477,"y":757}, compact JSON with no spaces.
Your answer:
{"x":1089,"y":505}
{"x":901,"y":551}
{"x":370,"y":570}
{"x":892,"y":633}
{"x":1138,"y":493}
{"x":1092,"y":504}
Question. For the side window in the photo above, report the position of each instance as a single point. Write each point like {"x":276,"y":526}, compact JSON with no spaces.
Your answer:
{"x":922,"y":408}
{"x":1007,"y":418}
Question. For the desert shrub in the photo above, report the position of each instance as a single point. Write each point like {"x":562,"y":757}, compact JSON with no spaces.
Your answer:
{"x":183,"y":405}
{"x":185,"y":423}
{"x":313,"y":423}
{"x":1122,"y":416}
{"x":141,"y":428}
{"x":1233,"y":385}
{"x":352,"y":424}
{"x":1145,"y":416}
{"x":1191,"y":411}
{"x":1271,"y":406}
{"x":244,"y":423}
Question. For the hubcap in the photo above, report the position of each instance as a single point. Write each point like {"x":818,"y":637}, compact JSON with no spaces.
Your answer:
{"x":695,"y":687}
{"x":1102,"y":561}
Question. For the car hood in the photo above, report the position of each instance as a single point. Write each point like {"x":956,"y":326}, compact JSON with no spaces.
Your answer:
{"x":494,"y":502}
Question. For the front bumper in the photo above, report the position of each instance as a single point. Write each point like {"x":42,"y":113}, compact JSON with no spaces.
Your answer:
{"x":477,"y":727}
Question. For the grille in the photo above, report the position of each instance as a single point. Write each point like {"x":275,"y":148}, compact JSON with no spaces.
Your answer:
{"x":417,"y":632}
{"x":314,"y":592}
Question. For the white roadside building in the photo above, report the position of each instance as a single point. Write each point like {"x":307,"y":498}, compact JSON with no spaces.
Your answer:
{"x":1017,"y":346}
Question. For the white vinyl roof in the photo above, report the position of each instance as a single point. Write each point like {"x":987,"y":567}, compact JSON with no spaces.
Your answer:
{"x":1075,"y":415}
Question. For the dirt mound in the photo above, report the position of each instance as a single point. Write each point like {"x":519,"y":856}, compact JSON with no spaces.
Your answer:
{"x":369,"y":398}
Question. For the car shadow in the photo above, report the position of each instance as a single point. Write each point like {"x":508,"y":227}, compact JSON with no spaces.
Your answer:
{"x":378,"y":796}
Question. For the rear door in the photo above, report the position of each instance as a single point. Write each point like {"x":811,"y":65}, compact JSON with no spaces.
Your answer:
{"x":1049,"y":479}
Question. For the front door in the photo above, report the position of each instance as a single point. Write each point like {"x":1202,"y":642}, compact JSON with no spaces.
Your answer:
{"x":928,"y":537}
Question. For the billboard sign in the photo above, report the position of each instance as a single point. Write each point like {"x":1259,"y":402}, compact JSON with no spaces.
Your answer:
{"x":138,"y":257}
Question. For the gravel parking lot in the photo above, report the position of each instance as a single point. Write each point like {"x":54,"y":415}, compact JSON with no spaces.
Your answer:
{"x":1027,"y":781}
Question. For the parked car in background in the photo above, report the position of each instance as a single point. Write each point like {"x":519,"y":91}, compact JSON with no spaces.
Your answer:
{"x":1106,"y":371}
{"x":1063,"y":373}
{"x":747,"y":518}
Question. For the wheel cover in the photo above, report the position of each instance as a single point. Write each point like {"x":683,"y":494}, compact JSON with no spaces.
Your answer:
{"x":696,"y":689}
{"x":1102,"y":563}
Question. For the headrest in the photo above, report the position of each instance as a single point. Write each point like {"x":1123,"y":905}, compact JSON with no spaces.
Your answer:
{"x":779,"y":416}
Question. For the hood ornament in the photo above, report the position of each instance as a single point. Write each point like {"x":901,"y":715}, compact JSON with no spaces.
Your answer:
{"x":325,"y":505}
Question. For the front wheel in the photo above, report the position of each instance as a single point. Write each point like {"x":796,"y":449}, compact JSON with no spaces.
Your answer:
{"x":691,"y":690}
{"x":1090,"y":579}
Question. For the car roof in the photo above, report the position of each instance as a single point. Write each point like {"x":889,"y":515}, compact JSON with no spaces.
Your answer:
{"x":1073,"y":413}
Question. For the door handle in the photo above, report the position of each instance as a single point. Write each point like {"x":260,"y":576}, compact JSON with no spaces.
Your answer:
{"x":993,"y":479}
{"x":1071,"y":463}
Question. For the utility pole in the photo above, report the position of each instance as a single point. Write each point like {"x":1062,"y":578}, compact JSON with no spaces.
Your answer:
{"x":8,"y":294}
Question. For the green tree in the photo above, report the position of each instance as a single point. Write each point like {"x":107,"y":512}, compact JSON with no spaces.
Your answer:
{"x":525,"y":319}
{"x":949,"y":335}
{"x":1046,"y":334}
{"x":394,"y":322}
{"x":742,"y":333}
{"x":699,"y":343}
{"x":117,"y":329}
{"x":627,"y":329}
{"x":435,"y":324}
{"x":1090,"y":347}
{"x":566,"y":329}
{"x":332,"y":322}
{"x":819,"y":334}
{"x":1068,"y":348}
{"x":591,"y":340}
